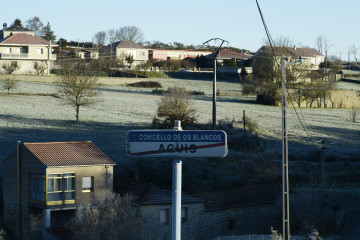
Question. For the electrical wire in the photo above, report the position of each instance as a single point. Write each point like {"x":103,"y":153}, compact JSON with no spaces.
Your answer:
{"x":271,"y":43}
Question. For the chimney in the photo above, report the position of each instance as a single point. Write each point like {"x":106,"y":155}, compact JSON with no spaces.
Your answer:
{"x":295,"y":47}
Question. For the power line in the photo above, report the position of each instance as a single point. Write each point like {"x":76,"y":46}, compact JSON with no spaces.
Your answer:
{"x":272,"y":44}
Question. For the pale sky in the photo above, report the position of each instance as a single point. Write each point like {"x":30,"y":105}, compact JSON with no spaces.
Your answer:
{"x":196,"y":21}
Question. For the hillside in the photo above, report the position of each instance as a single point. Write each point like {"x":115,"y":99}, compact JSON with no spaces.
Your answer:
{"x":41,"y":116}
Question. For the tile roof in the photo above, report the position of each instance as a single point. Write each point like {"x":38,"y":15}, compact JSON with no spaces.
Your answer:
{"x":148,"y":194}
{"x":304,"y":52}
{"x":25,"y":39}
{"x":61,"y":154}
{"x":245,"y":196}
{"x":295,"y":51}
{"x":230,"y":54}
{"x":127,"y":44}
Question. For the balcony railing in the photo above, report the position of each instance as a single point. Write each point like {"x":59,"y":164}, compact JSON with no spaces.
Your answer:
{"x":25,"y":56}
{"x":14,"y":55}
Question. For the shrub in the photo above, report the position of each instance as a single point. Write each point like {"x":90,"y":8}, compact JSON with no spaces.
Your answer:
{"x":175,"y":105}
{"x":162,"y":92}
{"x":146,"y":84}
{"x":251,"y":125}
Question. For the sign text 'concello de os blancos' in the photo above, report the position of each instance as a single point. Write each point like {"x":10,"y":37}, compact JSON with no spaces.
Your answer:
{"x":167,"y":143}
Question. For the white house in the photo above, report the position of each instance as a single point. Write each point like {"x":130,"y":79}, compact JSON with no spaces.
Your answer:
{"x":20,"y":47}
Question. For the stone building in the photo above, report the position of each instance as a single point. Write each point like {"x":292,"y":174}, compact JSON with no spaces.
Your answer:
{"x":245,"y":210}
{"x":155,"y":205}
{"x":44,"y":184}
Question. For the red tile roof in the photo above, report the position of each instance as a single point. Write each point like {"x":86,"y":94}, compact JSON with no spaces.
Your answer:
{"x":230,"y":54}
{"x":304,"y":52}
{"x":148,"y":194}
{"x":127,"y":44}
{"x":297,"y":52}
{"x":24,"y":39}
{"x":61,"y":154}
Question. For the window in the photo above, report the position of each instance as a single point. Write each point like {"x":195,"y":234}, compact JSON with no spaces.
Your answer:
{"x":88,"y":184}
{"x":164,"y":216}
{"x":184,"y":214}
{"x":68,"y":186}
{"x":54,"y":188}
{"x":61,"y":188}
{"x":40,"y":51}
{"x":8,"y":50}
{"x":37,"y":188}
{"x":231,"y":224}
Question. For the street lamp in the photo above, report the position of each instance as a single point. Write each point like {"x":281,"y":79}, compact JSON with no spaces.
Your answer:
{"x":214,"y":82}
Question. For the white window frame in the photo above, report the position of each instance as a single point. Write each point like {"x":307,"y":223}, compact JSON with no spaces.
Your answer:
{"x":40,"y":51}
{"x":88,"y":184}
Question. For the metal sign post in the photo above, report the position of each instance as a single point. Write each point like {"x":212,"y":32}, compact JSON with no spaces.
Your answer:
{"x":176,"y":193}
{"x":176,"y":200}
{"x":176,"y":143}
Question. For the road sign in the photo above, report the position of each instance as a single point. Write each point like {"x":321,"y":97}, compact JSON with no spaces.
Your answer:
{"x":170,"y":143}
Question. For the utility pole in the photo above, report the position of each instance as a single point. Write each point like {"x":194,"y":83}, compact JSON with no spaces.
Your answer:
{"x":322,"y":193}
{"x":214,"y":82}
{"x":285,"y":167}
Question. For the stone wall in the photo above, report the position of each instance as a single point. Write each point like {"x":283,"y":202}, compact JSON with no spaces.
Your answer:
{"x":12,"y":224}
{"x":152,"y":229}
{"x":238,"y":221}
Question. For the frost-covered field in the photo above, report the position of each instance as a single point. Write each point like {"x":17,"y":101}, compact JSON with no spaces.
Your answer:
{"x":121,"y":108}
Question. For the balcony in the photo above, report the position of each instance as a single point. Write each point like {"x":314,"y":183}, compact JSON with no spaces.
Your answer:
{"x":14,"y":55}
{"x":25,"y":56}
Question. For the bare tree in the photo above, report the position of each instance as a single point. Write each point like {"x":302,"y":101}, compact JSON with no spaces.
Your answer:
{"x":112,"y":37}
{"x":320,"y":43}
{"x":78,"y":85}
{"x":36,"y":25}
{"x":112,"y":217}
{"x":281,"y":41}
{"x":10,"y":67}
{"x":353,"y":51}
{"x":131,"y":33}
{"x":100,"y":39}
{"x":8,"y":84}
{"x":40,"y":67}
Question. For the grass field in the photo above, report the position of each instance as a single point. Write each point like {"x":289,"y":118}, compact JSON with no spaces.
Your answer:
{"x":37,"y":118}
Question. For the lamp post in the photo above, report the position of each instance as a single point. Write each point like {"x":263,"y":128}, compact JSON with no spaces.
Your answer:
{"x":214,"y":82}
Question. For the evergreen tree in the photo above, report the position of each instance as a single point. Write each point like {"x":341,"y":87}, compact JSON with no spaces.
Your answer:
{"x":48,"y":33}
{"x":17,"y":23}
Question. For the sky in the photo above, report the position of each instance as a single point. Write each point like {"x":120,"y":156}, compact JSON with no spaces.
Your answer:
{"x":196,"y":21}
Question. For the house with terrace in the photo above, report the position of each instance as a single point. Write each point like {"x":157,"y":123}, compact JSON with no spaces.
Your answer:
{"x":45,"y":185}
{"x":21,"y":52}
{"x":127,"y":52}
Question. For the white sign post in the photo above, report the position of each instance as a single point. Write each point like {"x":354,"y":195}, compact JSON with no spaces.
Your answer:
{"x":176,"y":143}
